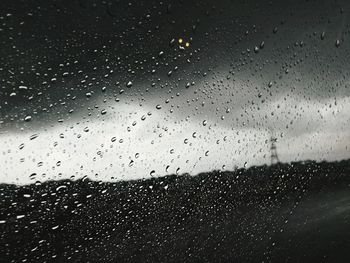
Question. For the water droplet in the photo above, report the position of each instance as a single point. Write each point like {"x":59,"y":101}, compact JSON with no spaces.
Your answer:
{"x":34,"y":136}
{"x":337,"y":43}
{"x":129,"y":84}
{"x":262,"y":45}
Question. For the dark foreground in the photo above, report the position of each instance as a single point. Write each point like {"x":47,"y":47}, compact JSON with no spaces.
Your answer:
{"x":286,"y":213}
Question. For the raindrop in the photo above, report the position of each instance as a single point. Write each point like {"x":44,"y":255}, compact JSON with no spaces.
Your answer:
{"x":34,"y":136}
{"x":129,"y":84}
{"x":337,"y":43}
{"x":262,"y":45}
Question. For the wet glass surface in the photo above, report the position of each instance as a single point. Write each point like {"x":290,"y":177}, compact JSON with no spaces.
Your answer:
{"x":174,"y":131}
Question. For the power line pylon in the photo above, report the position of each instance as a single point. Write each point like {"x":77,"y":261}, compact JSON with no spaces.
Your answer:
{"x":273,"y":150}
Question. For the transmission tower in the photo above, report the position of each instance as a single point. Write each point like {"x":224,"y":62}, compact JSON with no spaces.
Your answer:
{"x":273,"y":150}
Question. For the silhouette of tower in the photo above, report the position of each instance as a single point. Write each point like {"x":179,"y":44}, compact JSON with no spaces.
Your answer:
{"x":273,"y":149}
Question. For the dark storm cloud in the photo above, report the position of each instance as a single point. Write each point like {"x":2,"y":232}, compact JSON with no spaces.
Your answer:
{"x":63,"y":49}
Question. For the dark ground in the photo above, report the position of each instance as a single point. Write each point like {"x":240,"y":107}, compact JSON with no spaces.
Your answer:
{"x":284,"y":213}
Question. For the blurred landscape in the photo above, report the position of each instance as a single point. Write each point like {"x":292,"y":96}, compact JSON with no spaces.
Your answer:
{"x":298,"y":212}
